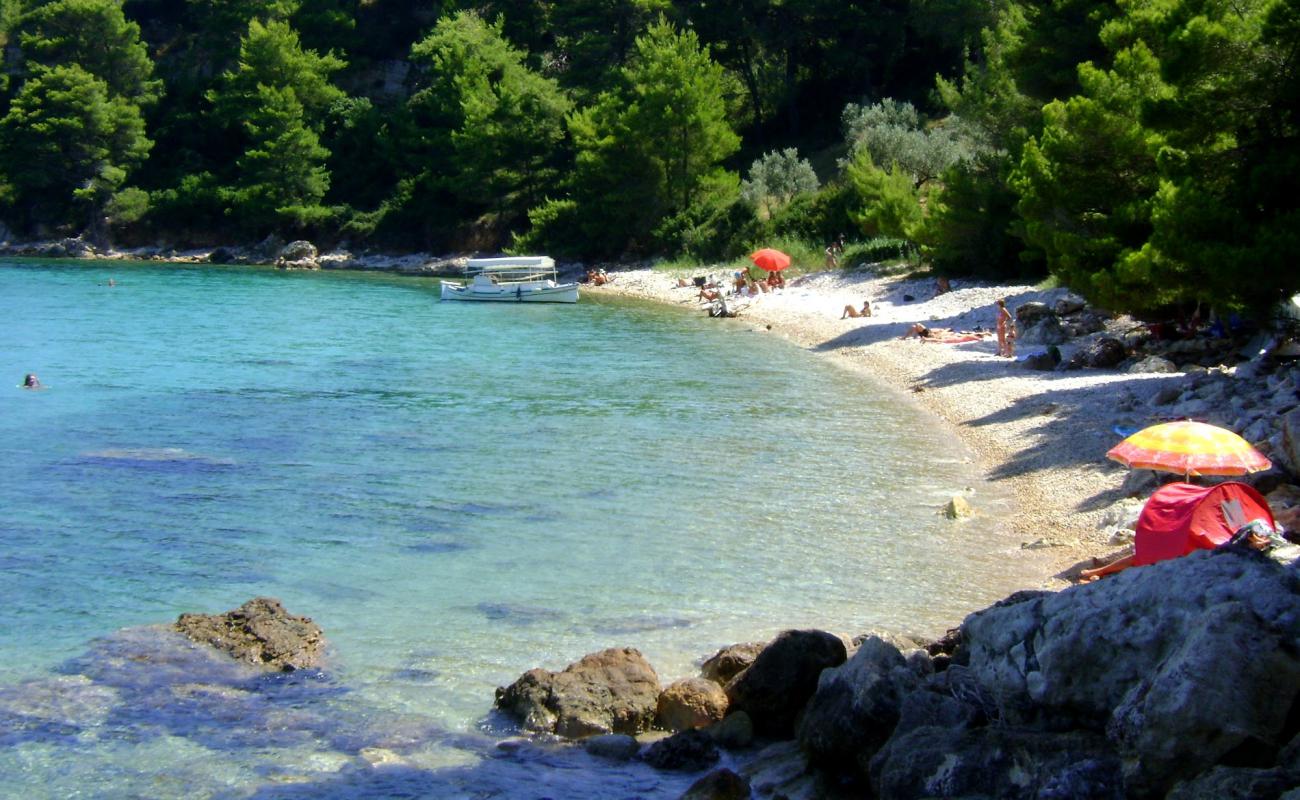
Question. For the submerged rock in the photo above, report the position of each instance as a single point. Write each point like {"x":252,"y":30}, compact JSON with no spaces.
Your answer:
{"x":260,"y":632}
{"x":613,"y":691}
{"x":687,"y":750}
{"x":612,"y":746}
{"x":957,"y":508}
{"x":721,"y":784}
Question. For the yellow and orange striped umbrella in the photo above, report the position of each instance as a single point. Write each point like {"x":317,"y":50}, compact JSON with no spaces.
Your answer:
{"x":1189,"y":448}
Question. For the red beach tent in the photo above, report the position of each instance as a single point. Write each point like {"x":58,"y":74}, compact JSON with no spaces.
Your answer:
{"x":1181,"y":517}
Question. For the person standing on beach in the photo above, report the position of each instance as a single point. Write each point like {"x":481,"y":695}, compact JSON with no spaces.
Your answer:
{"x":1006,"y":331}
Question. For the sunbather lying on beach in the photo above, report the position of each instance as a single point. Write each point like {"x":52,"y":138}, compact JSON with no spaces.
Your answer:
{"x":921,"y":332}
{"x":850,"y":311}
{"x":1256,"y":535}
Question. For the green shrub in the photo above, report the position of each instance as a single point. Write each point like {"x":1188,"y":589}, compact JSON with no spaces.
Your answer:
{"x":555,"y":227}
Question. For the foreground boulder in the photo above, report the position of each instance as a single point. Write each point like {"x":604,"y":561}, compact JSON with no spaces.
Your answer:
{"x":1178,"y":664}
{"x":613,"y":691}
{"x":856,"y":705}
{"x":260,"y":632}
{"x":775,"y":688}
{"x":997,"y":762}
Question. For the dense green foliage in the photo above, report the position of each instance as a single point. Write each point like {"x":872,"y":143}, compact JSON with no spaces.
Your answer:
{"x":1143,"y":151}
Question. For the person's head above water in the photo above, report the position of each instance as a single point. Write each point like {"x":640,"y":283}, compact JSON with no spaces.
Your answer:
{"x":30,"y":381}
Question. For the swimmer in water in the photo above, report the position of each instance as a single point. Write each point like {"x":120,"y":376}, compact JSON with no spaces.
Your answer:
{"x":30,"y":381}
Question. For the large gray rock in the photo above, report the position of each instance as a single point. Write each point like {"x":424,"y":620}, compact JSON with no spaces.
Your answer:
{"x":1070,"y":304}
{"x":1045,"y":331}
{"x":775,"y":688}
{"x":78,"y":248}
{"x":260,"y":632}
{"x":996,"y":762}
{"x":1104,"y":353}
{"x":1028,"y":314}
{"x":1153,"y":364}
{"x":299,"y":254}
{"x":856,"y":706}
{"x":1179,"y":663}
{"x":613,"y":691}
{"x":1223,"y":783}
{"x":1289,"y":453}
{"x":1044,"y":361}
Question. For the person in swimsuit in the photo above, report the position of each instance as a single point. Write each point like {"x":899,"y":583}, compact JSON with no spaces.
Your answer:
{"x":850,"y":311}
{"x":1006,"y":331}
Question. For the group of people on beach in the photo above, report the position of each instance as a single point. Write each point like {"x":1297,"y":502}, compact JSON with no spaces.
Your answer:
{"x":1006,"y":328}
{"x":598,"y":277}
{"x":742,"y":283}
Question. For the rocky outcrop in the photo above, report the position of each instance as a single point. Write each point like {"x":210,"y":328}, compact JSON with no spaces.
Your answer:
{"x":857,"y":705}
{"x":1017,"y":764}
{"x":1046,"y":330}
{"x":774,"y":689}
{"x":1102,"y":353}
{"x":1178,"y":664}
{"x":298,"y":255}
{"x":691,"y":703}
{"x":613,"y":691}
{"x":1044,"y":361}
{"x":260,"y":632}
{"x":1180,"y":677}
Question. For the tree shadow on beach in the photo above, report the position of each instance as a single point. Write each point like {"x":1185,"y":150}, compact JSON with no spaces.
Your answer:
{"x":1094,"y":417}
{"x":980,"y":319}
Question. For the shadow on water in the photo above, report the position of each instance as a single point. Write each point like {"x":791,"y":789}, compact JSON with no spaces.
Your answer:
{"x":155,"y":458}
{"x":151,"y":683}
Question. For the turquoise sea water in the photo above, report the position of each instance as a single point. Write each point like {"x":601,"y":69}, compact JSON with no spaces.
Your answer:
{"x":455,"y":492}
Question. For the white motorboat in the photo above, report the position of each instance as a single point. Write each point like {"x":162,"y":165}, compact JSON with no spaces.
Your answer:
{"x":514,"y":279}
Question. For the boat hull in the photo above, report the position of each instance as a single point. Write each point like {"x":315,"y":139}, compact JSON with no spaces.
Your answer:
{"x":512,"y":293}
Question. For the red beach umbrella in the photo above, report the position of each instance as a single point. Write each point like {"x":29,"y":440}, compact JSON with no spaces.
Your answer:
{"x":1186,"y":447}
{"x":769,"y":259}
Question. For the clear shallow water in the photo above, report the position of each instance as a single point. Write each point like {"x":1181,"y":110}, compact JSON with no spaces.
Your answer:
{"x":455,"y":492}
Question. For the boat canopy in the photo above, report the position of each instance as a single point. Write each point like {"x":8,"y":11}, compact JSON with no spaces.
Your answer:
{"x":512,"y":268}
